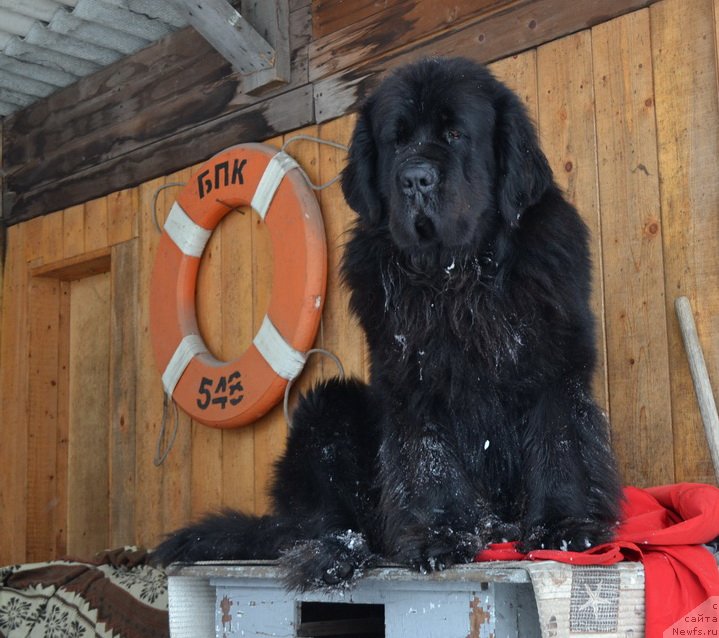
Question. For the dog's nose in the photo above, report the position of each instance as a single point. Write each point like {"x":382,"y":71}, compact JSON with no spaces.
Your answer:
{"x":418,"y":178}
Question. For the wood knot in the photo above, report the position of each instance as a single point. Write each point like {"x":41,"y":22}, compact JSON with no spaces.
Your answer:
{"x":568,"y":167}
{"x":651,"y":228}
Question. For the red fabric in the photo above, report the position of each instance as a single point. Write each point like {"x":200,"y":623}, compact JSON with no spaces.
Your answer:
{"x":664,"y":528}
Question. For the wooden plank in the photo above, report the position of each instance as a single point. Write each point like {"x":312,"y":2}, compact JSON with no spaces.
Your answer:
{"x":207,"y":441}
{"x":14,"y":401}
{"x":43,"y":315}
{"x":395,"y":25}
{"x":52,"y":237}
{"x":342,"y":334}
{"x":87,"y":525}
{"x":285,"y":112}
{"x":73,"y":231}
{"x":716,"y":33}
{"x":270,"y":430}
{"x":637,"y":357}
{"x":77,"y":266}
{"x":122,"y":212}
{"x":63,"y":421}
{"x":70,"y":136}
{"x":519,"y":73}
{"x":176,"y":477}
{"x":485,"y":40}
{"x":3,"y":242}
{"x":122,"y":387}
{"x":685,"y":76}
{"x":563,"y":109}
{"x":96,"y":224}
{"x":149,"y":526}
{"x":238,"y":446}
{"x":272,"y":21}
{"x":51,"y":251}
{"x":329,"y":16}
{"x":34,"y":242}
{"x":567,"y":131}
{"x":307,"y":154}
{"x":230,"y":34}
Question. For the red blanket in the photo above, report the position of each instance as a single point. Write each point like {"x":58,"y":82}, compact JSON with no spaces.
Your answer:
{"x":664,"y":528}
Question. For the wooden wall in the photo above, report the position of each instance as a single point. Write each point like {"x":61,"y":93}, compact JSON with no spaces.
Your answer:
{"x":628,"y":114}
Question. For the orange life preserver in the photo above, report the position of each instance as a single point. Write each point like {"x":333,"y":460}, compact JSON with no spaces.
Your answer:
{"x":227,"y":394}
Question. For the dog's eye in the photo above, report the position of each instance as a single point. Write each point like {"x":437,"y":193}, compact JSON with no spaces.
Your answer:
{"x":452,"y":134}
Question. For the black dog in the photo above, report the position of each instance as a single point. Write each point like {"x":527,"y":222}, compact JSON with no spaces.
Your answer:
{"x":470,"y":274}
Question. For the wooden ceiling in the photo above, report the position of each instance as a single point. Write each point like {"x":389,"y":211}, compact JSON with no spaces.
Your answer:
{"x":46,"y":45}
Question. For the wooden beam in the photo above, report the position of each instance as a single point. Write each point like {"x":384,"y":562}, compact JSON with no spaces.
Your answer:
{"x":397,"y":24}
{"x":272,"y":19}
{"x":520,"y":27}
{"x":284,"y":112}
{"x":76,"y":267}
{"x":230,"y":33}
{"x":255,"y":40}
{"x":329,"y":16}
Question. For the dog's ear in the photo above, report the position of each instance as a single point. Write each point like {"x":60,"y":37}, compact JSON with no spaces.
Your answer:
{"x":359,"y":176}
{"x":523,"y":172}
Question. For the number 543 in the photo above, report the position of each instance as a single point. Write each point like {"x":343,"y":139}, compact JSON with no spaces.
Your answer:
{"x":227,"y":389}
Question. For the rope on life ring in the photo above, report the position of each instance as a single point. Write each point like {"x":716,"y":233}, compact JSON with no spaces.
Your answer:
{"x":234,"y":393}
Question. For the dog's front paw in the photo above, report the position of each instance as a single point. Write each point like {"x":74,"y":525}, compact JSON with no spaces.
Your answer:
{"x":436,"y":548}
{"x":333,"y":560}
{"x":496,"y":530}
{"x":569,"y":534}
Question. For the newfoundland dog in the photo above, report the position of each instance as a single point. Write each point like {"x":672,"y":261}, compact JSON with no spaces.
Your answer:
{"x":469,"y":273}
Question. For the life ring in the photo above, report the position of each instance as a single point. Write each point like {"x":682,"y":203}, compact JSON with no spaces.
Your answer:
{"x":234,"y":393}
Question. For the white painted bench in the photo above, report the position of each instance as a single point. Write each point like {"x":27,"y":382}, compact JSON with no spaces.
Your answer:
{"x":482,"y":600}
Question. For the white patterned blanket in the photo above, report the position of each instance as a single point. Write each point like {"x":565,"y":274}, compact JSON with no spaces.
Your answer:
{"x":116,"y":595}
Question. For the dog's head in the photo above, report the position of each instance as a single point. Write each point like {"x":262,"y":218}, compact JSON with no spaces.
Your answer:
{"x":441,"y":153}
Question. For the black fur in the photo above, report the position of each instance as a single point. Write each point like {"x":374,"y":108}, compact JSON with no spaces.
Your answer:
{"x":470,"y":275}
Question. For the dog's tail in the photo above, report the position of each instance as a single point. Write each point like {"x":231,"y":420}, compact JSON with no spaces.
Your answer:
{"x":227,"y":535}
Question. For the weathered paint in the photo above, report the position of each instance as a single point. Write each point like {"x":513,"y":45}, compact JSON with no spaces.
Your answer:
{"x":470,"y":601}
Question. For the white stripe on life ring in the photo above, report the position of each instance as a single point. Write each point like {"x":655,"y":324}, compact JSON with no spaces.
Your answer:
{"x":278,"y":166}
{"x":280,"y":355}
{"x":189,"y":237}
{"x":190,"y":346}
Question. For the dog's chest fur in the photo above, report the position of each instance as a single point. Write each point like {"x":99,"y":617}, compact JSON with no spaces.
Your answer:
{"x":445,"y":331}
{"x":431,"y":323}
